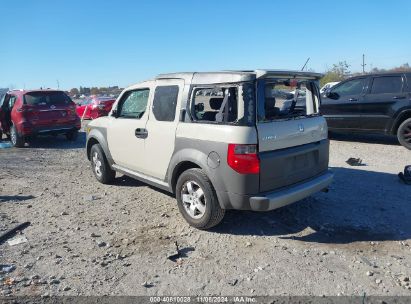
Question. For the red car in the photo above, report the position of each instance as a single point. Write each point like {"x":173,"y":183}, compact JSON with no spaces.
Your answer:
{"x":94,"y":107}
{"x":24,"y":114}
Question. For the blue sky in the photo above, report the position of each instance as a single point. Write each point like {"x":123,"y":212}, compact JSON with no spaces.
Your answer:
{"x":101,"y":43}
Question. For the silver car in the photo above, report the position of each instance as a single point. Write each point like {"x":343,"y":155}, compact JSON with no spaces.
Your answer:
{"x":238,"y":148}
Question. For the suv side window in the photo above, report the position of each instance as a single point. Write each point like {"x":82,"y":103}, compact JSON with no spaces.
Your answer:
{"x":133,"y":104}
{"x":165,"y":102}
{"x":386,"y":85}
{"x":351,"y":87}
{"x":208,"y":103}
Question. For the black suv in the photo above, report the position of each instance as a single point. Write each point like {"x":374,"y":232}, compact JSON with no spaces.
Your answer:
{"x":373,"y":103}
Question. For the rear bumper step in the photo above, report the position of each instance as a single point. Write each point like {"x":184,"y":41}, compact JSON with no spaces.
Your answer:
{"x":276,"y":199}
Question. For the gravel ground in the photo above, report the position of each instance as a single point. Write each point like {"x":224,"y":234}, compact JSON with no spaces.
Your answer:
{"x":91,"y":239}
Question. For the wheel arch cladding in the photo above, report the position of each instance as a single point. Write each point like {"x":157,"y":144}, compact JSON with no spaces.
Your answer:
{"x":98,"y":136}
{"x":91,"y":142}
{"x":183,"y":160}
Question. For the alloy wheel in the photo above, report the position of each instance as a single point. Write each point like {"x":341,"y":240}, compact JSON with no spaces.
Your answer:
{"x":194,"y":200}
{"x":97,"y":164}
{"x":406,"y":133}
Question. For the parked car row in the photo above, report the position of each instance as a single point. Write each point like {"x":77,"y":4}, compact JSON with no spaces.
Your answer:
{"x":248,"y":140}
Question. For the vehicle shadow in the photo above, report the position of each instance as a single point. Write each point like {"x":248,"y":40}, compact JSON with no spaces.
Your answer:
{"x":360,"y":206}
{"x":365,"y":138}
{"x":58,"y":142}
{"x":126,"y":181}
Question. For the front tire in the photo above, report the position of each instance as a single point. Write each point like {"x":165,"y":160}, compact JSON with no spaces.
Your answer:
{"x":99,"y":164}
{"x":16,"y":139}
{"x":404,"y":133}
{"x":197,"y":200}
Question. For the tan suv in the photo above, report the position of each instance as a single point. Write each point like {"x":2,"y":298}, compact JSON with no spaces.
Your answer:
{"x":217,"y":140}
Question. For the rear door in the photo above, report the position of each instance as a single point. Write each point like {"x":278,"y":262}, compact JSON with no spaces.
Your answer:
{"x":342,"y":108}
{"x":48,"y":108}
{"x":161,"y":126}
{"x":6,"y":111}
{"x":291,"y":148}
{"x":377,"y":106}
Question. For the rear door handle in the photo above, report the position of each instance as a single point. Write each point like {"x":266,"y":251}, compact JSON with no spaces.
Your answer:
{"x":399,"y":97}
{"x":353,"y":99}
{"x":141,"y":133}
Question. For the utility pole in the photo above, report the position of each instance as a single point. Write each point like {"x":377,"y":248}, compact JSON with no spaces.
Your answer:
{"x":363,"y":64}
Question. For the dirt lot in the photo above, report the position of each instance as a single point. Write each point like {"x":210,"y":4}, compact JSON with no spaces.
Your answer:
{"x":91,"y":239}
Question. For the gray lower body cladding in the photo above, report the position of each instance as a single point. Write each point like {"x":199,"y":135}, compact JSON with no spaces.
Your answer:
{"x":282,"y":173}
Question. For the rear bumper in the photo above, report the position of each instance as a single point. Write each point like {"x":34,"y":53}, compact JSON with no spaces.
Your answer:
{"x":271,"y":200}
{"x":31,"y":131}
{"x":276,"y":199}
{"x":55,"y":130}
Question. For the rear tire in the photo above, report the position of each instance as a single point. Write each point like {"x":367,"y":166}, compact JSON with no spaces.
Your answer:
{"x":404,"y":133}
{"x":16,"y":139}
{"x":99,"y":164}
{"x":72,"y":135}
{"x":197,"y":200}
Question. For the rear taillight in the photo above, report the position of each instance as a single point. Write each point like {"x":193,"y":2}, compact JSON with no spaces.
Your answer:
{"x":243,"y":158}
{"x":72,"y":109}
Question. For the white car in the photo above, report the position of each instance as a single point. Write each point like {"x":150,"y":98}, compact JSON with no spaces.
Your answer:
{"x":327,"y":86}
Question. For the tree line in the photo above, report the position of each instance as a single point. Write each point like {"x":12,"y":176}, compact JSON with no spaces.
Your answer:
{"x":341,"y":71}
{"x":114,"y":90}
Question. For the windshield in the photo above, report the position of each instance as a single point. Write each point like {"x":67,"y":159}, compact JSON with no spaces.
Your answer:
{"x":47,"y":98}
{"x":286,"y":98}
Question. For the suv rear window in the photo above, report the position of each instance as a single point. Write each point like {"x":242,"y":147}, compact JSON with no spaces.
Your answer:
{"x":46,"y":98}
{"x":286,"y":98}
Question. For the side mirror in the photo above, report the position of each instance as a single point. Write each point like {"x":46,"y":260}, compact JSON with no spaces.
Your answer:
{"x":331,"y":95}
{"x":114,"y":113}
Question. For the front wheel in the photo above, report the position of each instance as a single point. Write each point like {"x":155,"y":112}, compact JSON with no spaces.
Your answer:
{"x":16,"y":139}
{"x":404,"y":133}
{"x":197,"y":200}
{"x":101,"y":169}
